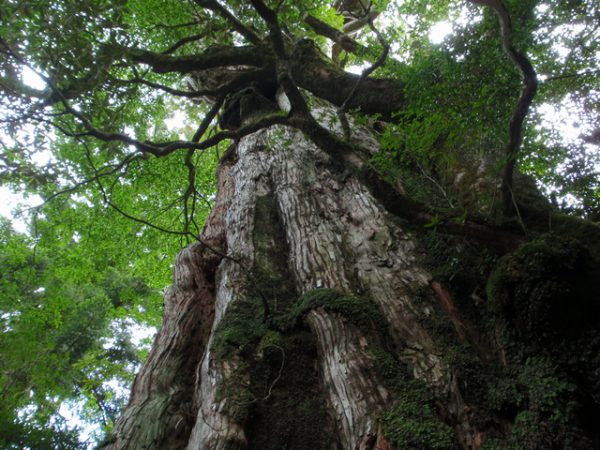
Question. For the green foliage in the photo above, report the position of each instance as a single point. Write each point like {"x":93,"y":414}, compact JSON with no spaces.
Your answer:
{"x":546,"y":405}
{"x":65,"y":316}
{"x":460,"y":95}
{"x":545,"y":289}
{"x":412,"y":420}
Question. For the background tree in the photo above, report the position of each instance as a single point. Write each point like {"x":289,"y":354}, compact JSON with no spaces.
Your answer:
{"x":369,"y":250}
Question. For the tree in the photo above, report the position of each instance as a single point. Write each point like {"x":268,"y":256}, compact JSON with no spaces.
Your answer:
{"x":373,"y":272}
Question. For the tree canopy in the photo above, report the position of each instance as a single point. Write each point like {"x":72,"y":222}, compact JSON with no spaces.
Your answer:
{"x":116,"y":113}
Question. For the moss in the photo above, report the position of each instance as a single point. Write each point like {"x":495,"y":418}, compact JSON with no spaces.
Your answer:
{"x":412,"y":420}
{"x":271,"y":277}
{"x":544,"y":407}
{"x":546,"y":289}
{"x":413,"y":423}
{"x":290,"y":410}
{"x":246,"y":331}
{"x":361,"y":311}
{"x":240,"y":330}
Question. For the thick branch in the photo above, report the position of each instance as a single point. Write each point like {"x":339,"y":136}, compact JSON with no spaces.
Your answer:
{"x":284,"y":76}
{"x":320,"y":76}
{"x":324,"y":29}
{"x":249,"y":34}
{"x":212,"y":57}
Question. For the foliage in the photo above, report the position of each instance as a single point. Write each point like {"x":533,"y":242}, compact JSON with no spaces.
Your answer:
{"x":461,"y":93}
{"x":411,"y":421}
{"x":67,"y":318}
{"x":545,"y":289}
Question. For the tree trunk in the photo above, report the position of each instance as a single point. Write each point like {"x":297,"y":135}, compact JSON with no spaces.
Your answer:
{"x":310,"y":333}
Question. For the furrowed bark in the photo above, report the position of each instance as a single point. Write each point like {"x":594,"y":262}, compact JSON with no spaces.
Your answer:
{"x":296,"y":226}
{"x":161,"y":410}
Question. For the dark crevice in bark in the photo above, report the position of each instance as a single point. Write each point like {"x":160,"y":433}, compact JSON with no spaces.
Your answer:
{"x":292,"y":410}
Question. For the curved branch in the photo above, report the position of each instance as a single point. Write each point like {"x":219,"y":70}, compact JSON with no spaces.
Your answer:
{"x":214,"y":110}
{"x":525,"y":99}
{"x":337,"y":36}
{"x":249,"y":34}
{"x":341,"y":112}
{"x":184,"y":41}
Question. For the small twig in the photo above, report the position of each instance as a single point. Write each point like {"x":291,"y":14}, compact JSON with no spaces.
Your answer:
{"x":341,"y":111}
{"x":278,"y":377}
{"x":98,"y":174}
{"x":586,"y":73}
{"x":172,"y":27}
{"x":435,"y":183}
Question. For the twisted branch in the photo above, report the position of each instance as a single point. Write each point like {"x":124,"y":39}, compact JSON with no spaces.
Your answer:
{"x":530,"y":84}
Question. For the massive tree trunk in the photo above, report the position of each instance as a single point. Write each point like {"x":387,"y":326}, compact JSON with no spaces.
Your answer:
{"x":303,"y":319}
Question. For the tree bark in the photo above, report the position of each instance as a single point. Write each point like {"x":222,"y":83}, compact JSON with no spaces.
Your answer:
{"x":291,"y":225}
{"x":306,"y":318}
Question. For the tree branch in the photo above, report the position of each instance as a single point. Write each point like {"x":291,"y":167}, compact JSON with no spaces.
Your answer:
{"x":183,"y":41}
{"x":341,"y":112}
{"x":249,"y":34}
{"x":214,"y":110}
{"x":216,"y":56}
{"x":525,"y":99}
{"x":284,"y":77}
{"x":340,"y":38}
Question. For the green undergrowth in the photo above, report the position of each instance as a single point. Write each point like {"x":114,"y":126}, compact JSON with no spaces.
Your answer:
{"x":546,"y":290}
{"x":412,"y":420}
{"x":531,"y":377}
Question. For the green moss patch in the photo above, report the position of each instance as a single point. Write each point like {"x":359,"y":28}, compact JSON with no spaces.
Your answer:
{"x":411,"y":421}
{"x":240,"y":330}
{"x":361,"y":311}
{"x":546,"y":289}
